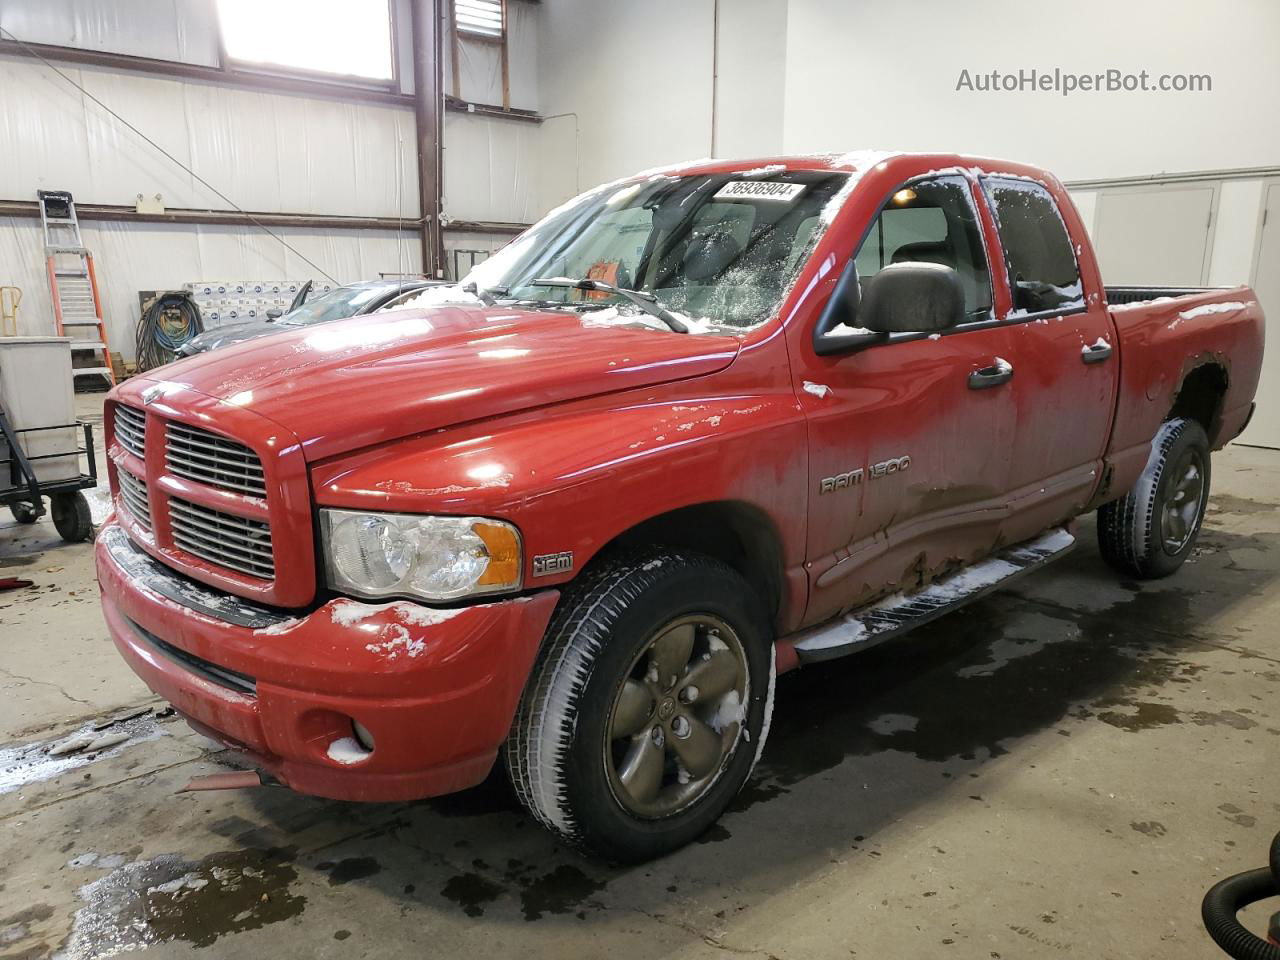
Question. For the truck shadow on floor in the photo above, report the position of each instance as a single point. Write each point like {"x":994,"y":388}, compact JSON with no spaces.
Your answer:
{"x":856,"y":744}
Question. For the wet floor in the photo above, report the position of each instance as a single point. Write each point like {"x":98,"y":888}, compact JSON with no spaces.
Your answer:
{"x":1060,"y":769}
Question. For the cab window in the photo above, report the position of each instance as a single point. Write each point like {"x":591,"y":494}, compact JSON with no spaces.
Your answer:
{"x":1043,"y":274}
{"x":931,"y":221}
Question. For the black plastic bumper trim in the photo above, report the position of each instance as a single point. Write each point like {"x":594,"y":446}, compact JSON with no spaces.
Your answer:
{"x":230,"y":679}
{"x":184,"y":591}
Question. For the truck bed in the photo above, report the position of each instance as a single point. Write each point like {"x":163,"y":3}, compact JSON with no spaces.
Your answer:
{"x":1129,"y":294}
{"x":1180,"y":348}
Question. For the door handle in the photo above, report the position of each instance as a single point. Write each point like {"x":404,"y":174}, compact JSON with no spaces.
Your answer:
{"x":1095,"y":352}
{"x":1001,"y":371}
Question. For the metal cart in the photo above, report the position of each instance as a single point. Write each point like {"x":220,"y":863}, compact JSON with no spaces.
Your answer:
{"x":25,"y":494}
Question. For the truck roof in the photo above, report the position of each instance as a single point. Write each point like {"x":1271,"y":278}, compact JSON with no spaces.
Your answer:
{"x":853,"y":161}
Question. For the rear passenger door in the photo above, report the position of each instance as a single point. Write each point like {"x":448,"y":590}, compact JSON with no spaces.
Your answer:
{"x":1063,"y":351}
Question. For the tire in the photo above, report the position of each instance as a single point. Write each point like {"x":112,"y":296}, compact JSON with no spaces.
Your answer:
{"x":1136,"y":533}
{"x":23,"y":512}
{"x":71,"y":517}
{"x":568,"y":761}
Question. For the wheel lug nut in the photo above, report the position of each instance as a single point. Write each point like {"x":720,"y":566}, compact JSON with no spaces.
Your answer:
{"x":680,"y":726}
{"x":658,"y":737}
{"x":689,"y":694}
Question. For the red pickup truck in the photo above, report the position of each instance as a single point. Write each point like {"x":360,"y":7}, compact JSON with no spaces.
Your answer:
{"x":691,"y":430}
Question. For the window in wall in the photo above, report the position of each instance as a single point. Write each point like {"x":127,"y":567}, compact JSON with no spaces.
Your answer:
{"x":340,"y":37}
{"x":931,"y":221}
{"x":480,"y":18}
{"x":1042,"y":266}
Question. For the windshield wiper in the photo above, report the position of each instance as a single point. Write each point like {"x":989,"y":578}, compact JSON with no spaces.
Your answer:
{"x":645,"y":301}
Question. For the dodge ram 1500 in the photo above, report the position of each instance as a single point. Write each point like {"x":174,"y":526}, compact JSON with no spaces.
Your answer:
{"x":691,"y":430}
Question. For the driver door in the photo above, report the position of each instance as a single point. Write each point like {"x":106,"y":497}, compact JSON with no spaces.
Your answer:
{"x":910,"y":438}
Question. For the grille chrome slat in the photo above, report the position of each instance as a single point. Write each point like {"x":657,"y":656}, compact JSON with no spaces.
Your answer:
{"x":219,"y":536}
{"x":200,"y":458}
{"x":221,"y":476}
{"x":131,"y":430}
{"x":229,"y":541}
{"x":214,"y":452}
{"x":223,"y":538}
{"x":200,"y":546}
{"x":134,"y":494}
{"x":206,"y":457}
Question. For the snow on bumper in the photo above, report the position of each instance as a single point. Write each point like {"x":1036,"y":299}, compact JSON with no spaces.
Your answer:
{"x":435,"y":689}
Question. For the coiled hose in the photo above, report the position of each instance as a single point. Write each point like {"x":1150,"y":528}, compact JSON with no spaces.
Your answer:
{"x":170,"y":321}
{"x":1226,"y":899}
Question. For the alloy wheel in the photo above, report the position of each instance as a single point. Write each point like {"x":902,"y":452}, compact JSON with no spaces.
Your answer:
{"x":677,"y":717}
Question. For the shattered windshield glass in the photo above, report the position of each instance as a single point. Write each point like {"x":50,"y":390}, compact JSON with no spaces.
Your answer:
{"x":720,"y":250}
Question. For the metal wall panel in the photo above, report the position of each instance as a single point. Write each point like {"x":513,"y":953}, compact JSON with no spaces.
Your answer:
{"x":490,"y":169}
{"x":182,"y":30}
{"x":266,"y":151}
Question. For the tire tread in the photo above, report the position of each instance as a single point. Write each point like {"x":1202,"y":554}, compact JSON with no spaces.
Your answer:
{"x":1127,"y":526}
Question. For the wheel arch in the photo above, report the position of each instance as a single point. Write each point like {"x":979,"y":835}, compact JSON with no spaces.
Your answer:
{"x":735,"y":532}
{"x":1200,"y":397}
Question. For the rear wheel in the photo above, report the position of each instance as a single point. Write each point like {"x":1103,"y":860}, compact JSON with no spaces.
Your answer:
{"x":646,"y":710}
{"x":1152,"y":530}
{"x":71,"y":517}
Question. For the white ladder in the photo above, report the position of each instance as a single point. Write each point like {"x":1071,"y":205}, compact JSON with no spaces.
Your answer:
{"x":73,"y":285}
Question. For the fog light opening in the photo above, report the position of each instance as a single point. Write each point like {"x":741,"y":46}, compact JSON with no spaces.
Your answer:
{"x":363,"y":736}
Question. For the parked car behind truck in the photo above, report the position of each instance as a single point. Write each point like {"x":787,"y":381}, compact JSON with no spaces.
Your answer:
{"x":700,"y":427}
{"x":352,"y":300}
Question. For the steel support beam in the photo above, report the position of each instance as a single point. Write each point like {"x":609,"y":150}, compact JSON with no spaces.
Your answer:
{"x":428,"y":111}
{"x":234,"y":218}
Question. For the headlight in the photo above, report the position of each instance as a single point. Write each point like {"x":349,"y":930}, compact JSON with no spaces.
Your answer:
{"x":436,"y":558}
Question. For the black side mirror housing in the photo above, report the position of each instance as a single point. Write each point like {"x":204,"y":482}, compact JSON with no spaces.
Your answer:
{"x":912,"y":297}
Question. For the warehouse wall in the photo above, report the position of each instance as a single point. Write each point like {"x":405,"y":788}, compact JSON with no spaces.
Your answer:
{"x":490,"y":164}
{"x":828,"y":75}
{"x":269,"y":152}
{"x":876,"y":74}
{"x":635,"y":81}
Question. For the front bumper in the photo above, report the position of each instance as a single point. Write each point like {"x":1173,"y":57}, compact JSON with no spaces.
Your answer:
{"x":436,"y":689}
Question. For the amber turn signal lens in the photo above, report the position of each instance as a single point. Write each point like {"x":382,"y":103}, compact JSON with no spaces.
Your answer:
{"x":503,"y":546}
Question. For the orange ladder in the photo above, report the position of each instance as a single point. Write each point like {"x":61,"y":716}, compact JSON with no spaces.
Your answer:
{"x":73,"y":286}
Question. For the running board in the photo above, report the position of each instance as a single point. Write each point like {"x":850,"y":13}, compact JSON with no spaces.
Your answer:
{"x":893,"y":616}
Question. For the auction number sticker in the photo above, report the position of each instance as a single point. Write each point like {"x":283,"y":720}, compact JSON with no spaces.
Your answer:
{"x":774,"y":190}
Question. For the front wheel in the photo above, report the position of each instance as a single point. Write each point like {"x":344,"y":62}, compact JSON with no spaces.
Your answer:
{"x":1151,"y":531}
{"x":647,"y":708}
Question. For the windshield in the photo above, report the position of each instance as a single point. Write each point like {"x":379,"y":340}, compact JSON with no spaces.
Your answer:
{"x":334,"y":305}
{"x":722,"y":249}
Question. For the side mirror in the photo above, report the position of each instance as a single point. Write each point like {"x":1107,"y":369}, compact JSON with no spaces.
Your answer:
{"x":274,"y":313}
{"x":912,"y":298}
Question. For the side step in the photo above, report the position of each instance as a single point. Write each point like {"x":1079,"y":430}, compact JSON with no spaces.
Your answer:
{"x":895,"y":615}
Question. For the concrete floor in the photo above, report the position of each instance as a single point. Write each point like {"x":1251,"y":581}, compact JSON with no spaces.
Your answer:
{"x":1061,"y":769}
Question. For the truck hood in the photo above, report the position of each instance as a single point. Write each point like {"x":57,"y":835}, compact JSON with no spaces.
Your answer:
{"x":366,"y":380}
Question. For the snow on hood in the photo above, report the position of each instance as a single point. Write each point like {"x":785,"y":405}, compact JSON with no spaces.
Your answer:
{"x":366,"y":380}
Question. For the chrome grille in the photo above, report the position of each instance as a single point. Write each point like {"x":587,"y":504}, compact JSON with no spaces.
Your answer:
{"x":208,"y":458}
{"x":230,"y":541}
{"x":134,"y":494}
{"x":131,"y":430}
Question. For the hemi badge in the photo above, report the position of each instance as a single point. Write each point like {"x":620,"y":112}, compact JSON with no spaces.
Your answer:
{"x":550,"y":563}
